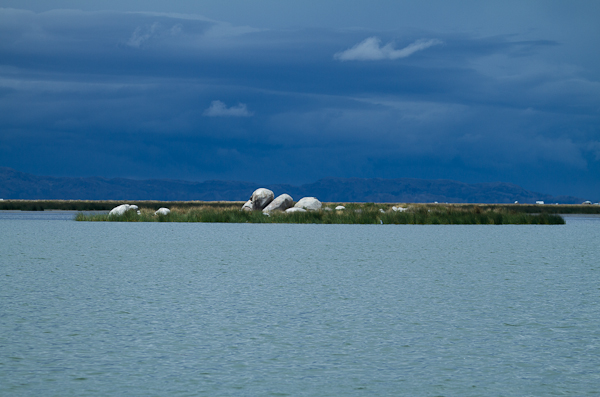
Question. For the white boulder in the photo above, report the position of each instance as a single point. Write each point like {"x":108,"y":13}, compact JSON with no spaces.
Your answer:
{"x":340,"y":208}
{"x":309,"y":203}
{"x":162,"y":211}
{"x":281,"y":203}
{"x":121,"y":209}
{"x":247,"y":206}
{"x":295,"y":209}
{"x":399,"y":209}
{"x":261,"y":198}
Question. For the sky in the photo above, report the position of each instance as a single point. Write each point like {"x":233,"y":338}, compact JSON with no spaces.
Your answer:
{"x":291,"y":92}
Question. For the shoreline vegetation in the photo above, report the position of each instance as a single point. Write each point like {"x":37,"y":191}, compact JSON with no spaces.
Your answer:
{"x":107,"y":205}
{"x":355,"y":213}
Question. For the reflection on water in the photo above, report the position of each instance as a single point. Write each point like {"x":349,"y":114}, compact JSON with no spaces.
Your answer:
{"x":53,"y":215}
{"x":581,"y":217}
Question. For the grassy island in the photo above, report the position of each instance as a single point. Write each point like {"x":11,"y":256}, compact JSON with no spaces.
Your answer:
{"x":368,"y":213}
{"x":355,"y":213}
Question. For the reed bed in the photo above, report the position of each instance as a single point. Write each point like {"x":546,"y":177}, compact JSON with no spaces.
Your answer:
{"x":106,"y":205}
{"x":367,"y":213}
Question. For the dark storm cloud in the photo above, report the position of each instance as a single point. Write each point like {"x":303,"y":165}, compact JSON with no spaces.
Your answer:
{"x":148,"y":94}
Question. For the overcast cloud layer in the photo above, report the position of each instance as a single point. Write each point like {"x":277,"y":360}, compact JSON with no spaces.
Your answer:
{"x":188,"y":95}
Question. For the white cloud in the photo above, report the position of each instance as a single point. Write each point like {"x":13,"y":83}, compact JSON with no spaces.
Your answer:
{"x":144,"y":33}
{"x":219,"y":109}
{"x":370,"y":50}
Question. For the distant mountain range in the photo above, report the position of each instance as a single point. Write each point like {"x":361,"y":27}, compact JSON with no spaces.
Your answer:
{"x":20,"y":185}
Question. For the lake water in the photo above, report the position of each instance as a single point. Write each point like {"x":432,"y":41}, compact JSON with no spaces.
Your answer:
{"x":171,"y":309}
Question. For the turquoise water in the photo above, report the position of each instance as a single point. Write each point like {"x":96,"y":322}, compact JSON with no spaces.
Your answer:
{"x":321,"y":310}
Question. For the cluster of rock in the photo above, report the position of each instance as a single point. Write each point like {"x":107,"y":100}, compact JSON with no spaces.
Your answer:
{"x":261,"y":200}
{"x":264,"y":200}
{"x":123,"y":208}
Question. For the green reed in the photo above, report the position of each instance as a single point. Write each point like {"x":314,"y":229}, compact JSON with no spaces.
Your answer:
{"x":355,"y":213}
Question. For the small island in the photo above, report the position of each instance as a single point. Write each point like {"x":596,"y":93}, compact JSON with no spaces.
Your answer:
{"x":354,"y":213}
{"x":263,"y":207}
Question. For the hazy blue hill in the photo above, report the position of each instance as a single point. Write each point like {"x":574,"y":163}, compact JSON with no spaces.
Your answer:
{"x":20,"y":185}
{"x":422,"y":190}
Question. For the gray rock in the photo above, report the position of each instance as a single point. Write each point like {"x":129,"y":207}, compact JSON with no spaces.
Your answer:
{"x":162,"y":211}
{"x":261,"y":198}
{"x":247,"y":206}
{"x":295,"y":209}
{"x":309,"y":203}
{"x":281,"y":203}
{"x":123,"y":208}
